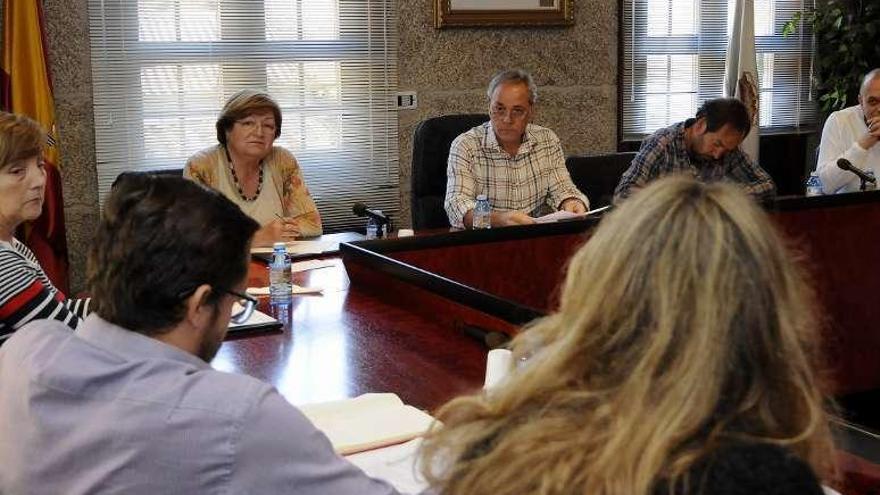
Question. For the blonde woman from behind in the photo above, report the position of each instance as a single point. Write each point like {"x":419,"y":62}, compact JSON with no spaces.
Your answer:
{"x":681,"y":361}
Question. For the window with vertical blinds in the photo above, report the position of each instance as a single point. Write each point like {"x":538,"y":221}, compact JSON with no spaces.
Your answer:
{"x":162,"y":70}
{"x":674,"y":54}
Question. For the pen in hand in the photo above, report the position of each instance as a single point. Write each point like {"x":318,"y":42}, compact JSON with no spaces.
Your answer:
{"x":290,"y":222}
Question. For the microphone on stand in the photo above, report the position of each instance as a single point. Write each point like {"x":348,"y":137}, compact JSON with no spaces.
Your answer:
{"x":845,"y":164}
{"x":361,"y":210}
{"x":382,"y":221}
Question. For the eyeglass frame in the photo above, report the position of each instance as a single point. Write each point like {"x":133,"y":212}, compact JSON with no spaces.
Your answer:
{"x":249,"y":123}
{"x":246,"y":311}
{"x":515,"y":113}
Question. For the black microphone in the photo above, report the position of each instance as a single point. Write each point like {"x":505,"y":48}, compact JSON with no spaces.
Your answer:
{"x":361,"y":210}
{"x":845,"y":164}
{"x":492,"y":340}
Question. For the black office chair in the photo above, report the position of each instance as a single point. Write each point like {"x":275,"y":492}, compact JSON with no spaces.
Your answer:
{"x":598,"y":175}
{"x":173,"y":172}
{"x":431,"y":141}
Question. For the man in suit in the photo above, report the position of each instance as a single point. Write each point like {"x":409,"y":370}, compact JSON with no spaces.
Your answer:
{"x":519,"y":166}
{"x":129,"y":403}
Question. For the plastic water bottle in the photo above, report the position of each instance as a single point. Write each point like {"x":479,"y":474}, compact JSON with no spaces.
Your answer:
{"x":869,"y":186}
{"x":279,"y":274}
{"x":482,"y":213}
{"x":372,"y":228}
{"x":814,"y":185}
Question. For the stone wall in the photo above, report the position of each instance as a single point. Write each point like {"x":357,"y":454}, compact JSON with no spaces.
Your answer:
{"x":67,"y":27}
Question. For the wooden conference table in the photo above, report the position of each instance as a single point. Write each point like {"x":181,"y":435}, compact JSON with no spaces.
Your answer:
{"x":393,"y":313}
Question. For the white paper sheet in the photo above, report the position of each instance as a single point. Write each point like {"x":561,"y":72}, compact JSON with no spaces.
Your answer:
{"x":395,"y":464}
{"x":294,"y":289}
{"x":559,"y":215}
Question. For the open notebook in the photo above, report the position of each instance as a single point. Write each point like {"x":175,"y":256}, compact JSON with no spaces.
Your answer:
{"x":367,"y":422}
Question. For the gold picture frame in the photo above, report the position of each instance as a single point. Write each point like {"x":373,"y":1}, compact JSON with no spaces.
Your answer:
{"x":510,"y":13}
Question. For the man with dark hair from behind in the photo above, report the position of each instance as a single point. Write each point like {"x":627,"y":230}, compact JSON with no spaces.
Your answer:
{"x":129,"y":404}
{"x":705,"y":147}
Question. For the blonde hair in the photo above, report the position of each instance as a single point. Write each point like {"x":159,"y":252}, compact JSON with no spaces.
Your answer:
{"x":20,"y":138}
{"x":683,"y":325}
{"x":242,"y":104}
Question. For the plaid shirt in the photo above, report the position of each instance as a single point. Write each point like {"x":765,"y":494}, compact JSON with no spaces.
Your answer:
{"x":535,"y":181}
{"x":665,"y":153}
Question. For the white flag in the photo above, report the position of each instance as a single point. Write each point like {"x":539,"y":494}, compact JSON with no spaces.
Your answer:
{"x":741,"y":71}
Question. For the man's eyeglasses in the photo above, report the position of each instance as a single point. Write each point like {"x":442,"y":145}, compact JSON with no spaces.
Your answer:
{"x":242,"y":308}
{"x":516,"y":113}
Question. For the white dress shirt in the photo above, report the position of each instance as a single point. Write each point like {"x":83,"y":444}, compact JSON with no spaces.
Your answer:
{"x":842,"y":129}
{"x":107,"y":410}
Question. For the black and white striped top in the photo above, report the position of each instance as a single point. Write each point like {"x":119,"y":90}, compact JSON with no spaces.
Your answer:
{"x":27,"y":294}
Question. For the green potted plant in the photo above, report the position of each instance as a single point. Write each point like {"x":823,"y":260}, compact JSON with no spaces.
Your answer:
{"x":847,"y":45}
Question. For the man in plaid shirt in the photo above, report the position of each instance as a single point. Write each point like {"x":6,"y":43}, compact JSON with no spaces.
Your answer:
{"x":519,"y":166}
{"x":705,"y":147}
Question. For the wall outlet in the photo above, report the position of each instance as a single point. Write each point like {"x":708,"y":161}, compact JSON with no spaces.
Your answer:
{"x":407,"y":100}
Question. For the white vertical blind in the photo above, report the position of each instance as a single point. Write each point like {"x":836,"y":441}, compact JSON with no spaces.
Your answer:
{"x":162,"y":70}
{"x":673,"y":60}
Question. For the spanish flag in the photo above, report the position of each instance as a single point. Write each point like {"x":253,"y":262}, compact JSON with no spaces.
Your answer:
{"x":27,"y":89}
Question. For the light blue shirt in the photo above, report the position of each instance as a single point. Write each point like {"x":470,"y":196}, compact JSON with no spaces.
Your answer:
{"x":107,"y":410}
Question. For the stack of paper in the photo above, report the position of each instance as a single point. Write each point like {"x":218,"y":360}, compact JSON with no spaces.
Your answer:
{"x":367,"y":422}
{"x":294,"y":289}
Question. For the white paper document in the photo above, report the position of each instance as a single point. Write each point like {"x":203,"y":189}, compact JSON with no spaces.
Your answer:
{"x":304,"y":266}
{"x":294,"y":289}
{"x":367,"y":422}
{"x":302,"y":247}
{"x":396,"y":464}
{"x":556,"y":216}
{"x":257,"y":319}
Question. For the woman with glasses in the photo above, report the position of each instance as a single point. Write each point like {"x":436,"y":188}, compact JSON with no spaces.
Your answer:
{"x":681,"y":361}
{"x":26,"y":293}
{"x":264,"y":180}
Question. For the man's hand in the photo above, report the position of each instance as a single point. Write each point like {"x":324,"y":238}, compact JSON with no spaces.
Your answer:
{"x":871,"y":138}
{"x":508,"y":218}
{"x":573,"y":205}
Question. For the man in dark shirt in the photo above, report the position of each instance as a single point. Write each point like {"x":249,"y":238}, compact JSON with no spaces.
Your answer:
{"x":705,"y":147}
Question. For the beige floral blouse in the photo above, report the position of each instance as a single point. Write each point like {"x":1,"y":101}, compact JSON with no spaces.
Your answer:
{"x":284,"y":192}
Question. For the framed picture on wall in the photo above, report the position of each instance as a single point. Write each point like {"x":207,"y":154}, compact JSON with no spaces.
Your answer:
{"x":470,"y":13}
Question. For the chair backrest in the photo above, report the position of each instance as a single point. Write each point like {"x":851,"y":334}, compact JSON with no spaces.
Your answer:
{"x":598,"y":175}
{"x":431,"y":142}
{"x":169,"y":172}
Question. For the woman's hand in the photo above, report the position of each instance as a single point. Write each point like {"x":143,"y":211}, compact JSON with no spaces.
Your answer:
{"x":278,"y":230}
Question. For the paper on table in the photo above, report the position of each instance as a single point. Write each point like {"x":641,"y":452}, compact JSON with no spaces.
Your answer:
{"x":559,"y":215}
{"x":294,"y":289}
{"x":396,"y":464}
{"x":301,"y":247}
{"x":302,"y":266}
{"x":367,"y":422}
{"x":258,"y":319}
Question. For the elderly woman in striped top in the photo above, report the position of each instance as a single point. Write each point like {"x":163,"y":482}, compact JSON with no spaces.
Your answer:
{"x":25,"y":291}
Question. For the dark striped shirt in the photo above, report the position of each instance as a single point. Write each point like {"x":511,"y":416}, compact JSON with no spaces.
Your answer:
{"x":26,"y":293}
